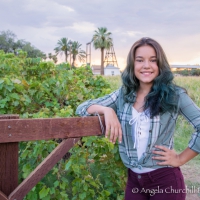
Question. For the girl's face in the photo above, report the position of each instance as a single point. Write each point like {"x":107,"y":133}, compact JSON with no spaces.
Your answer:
{"x":146,"y":68}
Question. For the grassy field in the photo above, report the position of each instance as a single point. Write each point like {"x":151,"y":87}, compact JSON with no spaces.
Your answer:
{"x":183,"y":130}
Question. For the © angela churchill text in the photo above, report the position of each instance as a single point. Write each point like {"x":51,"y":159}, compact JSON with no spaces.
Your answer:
{"x":152,"y":192}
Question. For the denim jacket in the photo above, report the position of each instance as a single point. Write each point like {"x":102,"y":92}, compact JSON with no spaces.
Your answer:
{"x":161,"y":130}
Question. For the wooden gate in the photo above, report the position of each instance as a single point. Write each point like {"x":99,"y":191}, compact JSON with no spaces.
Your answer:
{"x":14,"y":130}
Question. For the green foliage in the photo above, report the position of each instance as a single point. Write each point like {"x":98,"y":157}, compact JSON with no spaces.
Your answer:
{"x":115,"y":82}
{"x":99,"y":171}
{"x":29,"y":86}
{"x":37,"y":89}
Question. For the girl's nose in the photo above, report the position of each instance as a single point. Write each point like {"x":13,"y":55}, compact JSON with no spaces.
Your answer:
{"x":146,"y":64}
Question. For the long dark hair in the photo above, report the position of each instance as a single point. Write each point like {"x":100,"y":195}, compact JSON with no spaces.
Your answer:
{"x":162,"y":96}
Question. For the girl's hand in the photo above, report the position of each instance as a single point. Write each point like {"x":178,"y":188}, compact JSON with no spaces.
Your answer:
{"x":113,"y":127}
{"x":169,"y":157}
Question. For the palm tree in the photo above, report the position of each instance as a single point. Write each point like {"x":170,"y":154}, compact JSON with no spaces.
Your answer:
{"x":63,"y":46}
{"x":55,"y":60}
{"x":50,"y":55}
{"x":77,"y":52}
{"x":102,"y":40}
{"x":44,"y":56}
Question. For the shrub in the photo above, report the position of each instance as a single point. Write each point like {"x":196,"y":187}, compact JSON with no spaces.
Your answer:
{"x":37,"y":89}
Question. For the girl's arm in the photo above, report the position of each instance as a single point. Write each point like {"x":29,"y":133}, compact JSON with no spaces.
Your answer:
{"x":113,"y":126}
{"x":192,"y":113}
{"x":107,"y":106}
{"x":109,"y":100}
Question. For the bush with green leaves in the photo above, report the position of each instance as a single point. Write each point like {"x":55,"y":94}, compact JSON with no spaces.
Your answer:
{"x":33,"y":88}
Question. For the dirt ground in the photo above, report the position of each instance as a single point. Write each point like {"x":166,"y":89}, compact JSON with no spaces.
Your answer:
{"x":191,"y":175}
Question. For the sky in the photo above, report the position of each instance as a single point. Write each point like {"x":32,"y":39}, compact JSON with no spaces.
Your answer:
{"x":175,"y":24}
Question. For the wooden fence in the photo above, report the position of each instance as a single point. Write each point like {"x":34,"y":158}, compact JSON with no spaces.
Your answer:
{"x":14,"y":130}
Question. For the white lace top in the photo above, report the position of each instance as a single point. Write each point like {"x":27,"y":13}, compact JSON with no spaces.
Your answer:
{"x":140,"y":131}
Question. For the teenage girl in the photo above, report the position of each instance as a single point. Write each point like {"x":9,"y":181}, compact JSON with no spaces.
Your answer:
{"x":142,"y":114}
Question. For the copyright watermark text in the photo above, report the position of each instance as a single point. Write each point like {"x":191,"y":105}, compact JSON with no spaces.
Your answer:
{"x":152,"y":192}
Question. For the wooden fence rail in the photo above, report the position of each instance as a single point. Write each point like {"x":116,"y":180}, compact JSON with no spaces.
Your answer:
{"x":14,"y":130}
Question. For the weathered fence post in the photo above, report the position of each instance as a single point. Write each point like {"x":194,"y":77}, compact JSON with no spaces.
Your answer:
{"x":8,"y":162}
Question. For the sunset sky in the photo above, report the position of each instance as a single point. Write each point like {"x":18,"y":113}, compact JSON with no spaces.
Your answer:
{"x":175,"y":24}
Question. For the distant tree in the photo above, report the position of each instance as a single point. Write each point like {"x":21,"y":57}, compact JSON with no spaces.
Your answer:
{"x":32,"y":52}
{"x":18,"y":45}
{"x":76,"y":52}
{"x":102,"y":40}
{"x":50,"y":55}
{"x":55,"y":59}
{"x":44,"y":56}
{"x":9,"y":43}
{"x":63,"y":46}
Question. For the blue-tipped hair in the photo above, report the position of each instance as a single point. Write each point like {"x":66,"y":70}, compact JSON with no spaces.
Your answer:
{"x":162,"y":96}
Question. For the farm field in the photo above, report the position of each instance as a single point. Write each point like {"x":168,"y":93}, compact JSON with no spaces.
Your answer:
{"x":182,"y":133}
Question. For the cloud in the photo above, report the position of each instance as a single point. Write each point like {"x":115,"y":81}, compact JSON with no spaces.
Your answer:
{"x":175,"y":24}
{"x":44,"y":5}
{"x":132,"y":33}
{"x":36,"y":13}
{"x":83,"y":27}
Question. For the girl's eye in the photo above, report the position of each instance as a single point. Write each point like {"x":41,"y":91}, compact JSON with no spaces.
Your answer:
{"x":139,"y":60}
{"x":154,"y":61}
